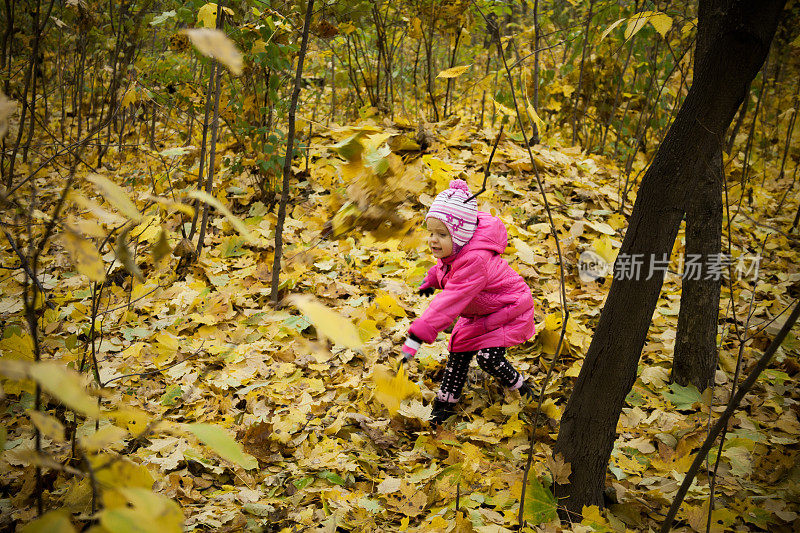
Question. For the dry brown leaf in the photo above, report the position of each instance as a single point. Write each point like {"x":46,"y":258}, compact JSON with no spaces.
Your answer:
{"x":558,"y":468}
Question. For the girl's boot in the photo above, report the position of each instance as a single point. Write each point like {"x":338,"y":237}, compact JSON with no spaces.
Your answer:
{"x":528,"y":391}
{"x":441,"y":411}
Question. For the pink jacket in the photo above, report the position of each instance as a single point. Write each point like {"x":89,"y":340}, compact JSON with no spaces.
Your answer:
{"x":492,"y":300}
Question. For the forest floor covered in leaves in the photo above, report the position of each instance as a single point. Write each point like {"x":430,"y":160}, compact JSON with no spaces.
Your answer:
{"x":201,"y":343}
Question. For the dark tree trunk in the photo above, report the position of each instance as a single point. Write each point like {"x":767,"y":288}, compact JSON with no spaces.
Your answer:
{"x":695,"y":356}
{"x":287,"y":160}
{"x":733,"y":40}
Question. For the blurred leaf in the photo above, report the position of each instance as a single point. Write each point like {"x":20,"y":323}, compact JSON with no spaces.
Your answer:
{"x":222,"y":444}
{"x":148,"y":512}
{"x":328,"y":322}
{"x":66,"y":386}
{"x":116,"y":196}
{"x":235,"y":221}
{"x":84,"y":255}
{"x":53,"y":522}
{"x":7,"y":108}
{"x":453,"y":72}
{"x":350,"y":148}
{"x":392,"y":388}
{"x":215,"y":44}
{"x":125,"y":257}
{"x":160,"y":19}
{"x":47,"y":425}
{"x":161,"y":248}
{"x":103,"y":438}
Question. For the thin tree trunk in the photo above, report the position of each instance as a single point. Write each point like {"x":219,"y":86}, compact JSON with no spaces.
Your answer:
{"x":735,"y":35}
{"x":580,"y":75}
{"x":722,"y":423}
{"x":287,"y":160}
{"x":414,"y":77}
{"x":789,"y":131}
{"x":695,"y":355}
{"x":5,"y":59}
{"x":618,"y":93}
{"x":429,"y":63}
{"x":213,"y":150}
{"x":333,"y":89}
{"x":447,"y":94}
{"x":29,"y":81}
{"x":203,"y":146}
{"x":535,"y":56}
{"x":737,"y":124}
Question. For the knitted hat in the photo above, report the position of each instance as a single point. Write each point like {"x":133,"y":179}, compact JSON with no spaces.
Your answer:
{"x":460,"y":218}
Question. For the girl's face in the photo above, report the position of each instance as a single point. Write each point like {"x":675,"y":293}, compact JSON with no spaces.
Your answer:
{"x":439,"y":240}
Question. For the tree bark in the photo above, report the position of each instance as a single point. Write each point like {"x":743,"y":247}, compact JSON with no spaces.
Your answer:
{"x":287,"y":161}
{"x":734,"y":36}
{"x":695,"y":355}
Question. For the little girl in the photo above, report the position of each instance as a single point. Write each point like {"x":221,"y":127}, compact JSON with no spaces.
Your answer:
{"x":492,"y":301}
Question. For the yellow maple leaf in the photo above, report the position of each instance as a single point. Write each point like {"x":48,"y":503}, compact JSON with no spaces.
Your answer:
{"x":130,"y":98}
{"x":389,"y":304}
{"x":550,"y":409}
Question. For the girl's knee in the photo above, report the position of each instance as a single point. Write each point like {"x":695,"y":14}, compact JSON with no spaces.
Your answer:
{"x":485,"y":360}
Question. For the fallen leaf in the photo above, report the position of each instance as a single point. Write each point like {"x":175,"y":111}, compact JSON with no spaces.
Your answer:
{"x":559,"y":469}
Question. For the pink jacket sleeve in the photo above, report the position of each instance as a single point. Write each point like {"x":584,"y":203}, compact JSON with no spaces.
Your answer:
{"x":465,"y":283}
{"x":431,"y":278}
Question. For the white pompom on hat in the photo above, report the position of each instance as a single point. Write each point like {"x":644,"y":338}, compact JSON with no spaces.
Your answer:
{"x":459,"y":217}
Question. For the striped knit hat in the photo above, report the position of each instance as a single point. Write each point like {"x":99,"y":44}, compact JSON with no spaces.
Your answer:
{"x":460,"y":218}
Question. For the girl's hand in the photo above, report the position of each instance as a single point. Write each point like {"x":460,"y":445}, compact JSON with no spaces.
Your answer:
{"x":425,"y":290}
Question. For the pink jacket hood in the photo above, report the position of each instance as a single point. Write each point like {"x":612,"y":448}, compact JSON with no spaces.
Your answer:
{"x":492,"y":302}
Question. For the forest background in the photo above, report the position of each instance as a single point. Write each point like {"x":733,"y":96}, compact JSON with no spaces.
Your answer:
{"x":200,"y":333}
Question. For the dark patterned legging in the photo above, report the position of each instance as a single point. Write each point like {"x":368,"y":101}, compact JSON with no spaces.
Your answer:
{"x":492,"y":360}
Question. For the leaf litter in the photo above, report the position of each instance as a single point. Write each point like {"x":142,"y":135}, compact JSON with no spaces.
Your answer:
{"x":327,"y":433}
